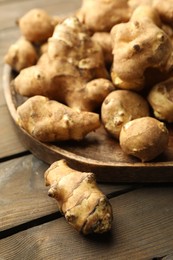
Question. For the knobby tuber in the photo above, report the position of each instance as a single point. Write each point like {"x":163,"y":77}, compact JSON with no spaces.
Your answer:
{"x":21,"y":54}
{"x":66,"y":71}
{"x":83,"y":204}
{"x":121,"y":106}
{"x":105,"y":41}
{"x":136,"y":52}
{"x":69,"y":89}
{"x":49,"y":121}
{"x":72,"y":40}
{"x":161,"y":100}
{"x":109,"y":13}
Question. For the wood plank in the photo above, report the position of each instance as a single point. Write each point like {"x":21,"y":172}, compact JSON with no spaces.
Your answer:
{"x":23,"y":192}
{"x":142,"y":230}
{"x":9,"y":141}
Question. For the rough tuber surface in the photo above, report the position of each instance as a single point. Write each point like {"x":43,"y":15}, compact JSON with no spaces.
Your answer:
{"x":79,"y":199}
{"x":105,"y":41}
{"x":72,"y":69}
{"x":136,"y":52}
{"x":161,"y":100}
{"x":21,"y":54}
{"x":49,"y":121}
{"x":101,"y":15}
{"x":69,"y":88}
{"x":72,"y":40}
{"x":120,"y":107}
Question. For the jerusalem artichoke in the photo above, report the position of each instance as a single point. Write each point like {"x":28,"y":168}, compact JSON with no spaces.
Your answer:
{"x":36,"y":25}
{"x":121,"y":106}
{"x":79,"y":199}
{"x":136,"y":52}
{"x":101,"y":15}
{"x":21,"y":54}
{"x":144,"y":138}
{"x":60,"y":80}
{"x":48,"y":120}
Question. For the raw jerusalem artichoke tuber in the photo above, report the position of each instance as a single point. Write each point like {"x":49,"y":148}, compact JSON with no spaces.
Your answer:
{"x":36,"y":25}
{"x":79,"y":199}
{"x":21,"y":54}
{"x":101,"y":15}
{"x":48,"y":120}
{"x":136,"y":53}
{"x":144,"y":138}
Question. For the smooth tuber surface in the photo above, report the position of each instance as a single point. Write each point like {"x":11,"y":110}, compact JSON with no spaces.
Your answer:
{"x":144,"y":138}
{"x":36,"y":25}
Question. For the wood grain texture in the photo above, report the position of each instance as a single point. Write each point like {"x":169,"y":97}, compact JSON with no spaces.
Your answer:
{"x":10,"y":144}
{"x":142,"y":230}
{"x":23,"y":193}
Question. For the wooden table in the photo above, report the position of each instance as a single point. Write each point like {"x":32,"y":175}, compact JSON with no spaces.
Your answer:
{"x":31,"y":226}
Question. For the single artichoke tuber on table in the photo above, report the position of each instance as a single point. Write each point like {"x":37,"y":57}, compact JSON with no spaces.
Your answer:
{"x":79,"y":199}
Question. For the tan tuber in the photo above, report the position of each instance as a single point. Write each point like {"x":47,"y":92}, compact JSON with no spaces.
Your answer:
{"x":36,"y":25}
{"x":144,"y":138}
{"x":50,"y":121}
{"x":160,"y":98}
{"x":21,"y":54}
{"x":140,"y":46}
{"x":121,"y":106}
{"x":102,"y":15}
{"x":79,"y":199}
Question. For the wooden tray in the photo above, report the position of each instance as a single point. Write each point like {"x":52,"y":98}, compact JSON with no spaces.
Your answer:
{"x":98,"y":152}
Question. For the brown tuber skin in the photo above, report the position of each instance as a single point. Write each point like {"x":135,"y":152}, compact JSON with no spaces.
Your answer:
{"x":165,"y":10}
{"x":161,"y":100}
{"x":21,"y":54}
{"x":135,"y":52}
{"x":71,"y":71}
{"x":105,"y":41}
{"x":71,"y":40}
{"x":50,"y":121}
{"x":79,"y":199}
{"x":102,"y":15}
{"x":36,"y":25}
{"x":121,"y":106}
{"x":61,"y":81}
{"x":144,"y":138}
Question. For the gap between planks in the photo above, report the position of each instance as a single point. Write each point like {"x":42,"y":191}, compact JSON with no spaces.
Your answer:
{"x":53,"y":216}
{"x":14,"y":156}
